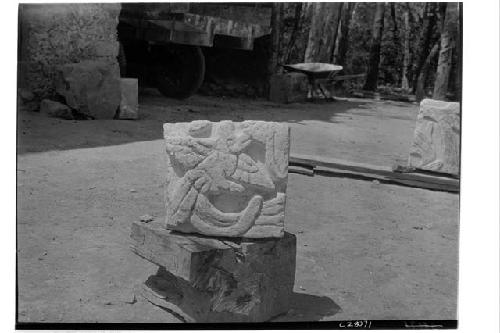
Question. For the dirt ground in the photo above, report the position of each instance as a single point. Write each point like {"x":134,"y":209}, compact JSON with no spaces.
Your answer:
{"x":365,"y":250}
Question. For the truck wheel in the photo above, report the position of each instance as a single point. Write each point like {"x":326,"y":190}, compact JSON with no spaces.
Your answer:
{"x":182,"y":72}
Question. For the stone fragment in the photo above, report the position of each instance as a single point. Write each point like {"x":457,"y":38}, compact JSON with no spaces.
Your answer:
{"x":146,"y":218}
{"x":436,"y":142}
{"x":26,"y":100}
{"x":216,"y":280}
{"x":90,"y":87}
{"x":25,"y":94}
{"x":288,"y":88}
{"x":55,"y":109}
{"x":227,"y":178}
{"x":129,"y":105}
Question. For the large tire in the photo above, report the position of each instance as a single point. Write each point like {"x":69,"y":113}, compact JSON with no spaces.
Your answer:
{"x":182,"y":74}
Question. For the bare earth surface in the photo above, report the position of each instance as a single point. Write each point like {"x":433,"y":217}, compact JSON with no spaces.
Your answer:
{"x":365,"y":250}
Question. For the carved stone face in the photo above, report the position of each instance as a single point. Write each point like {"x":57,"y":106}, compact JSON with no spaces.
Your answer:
{"x":227,"y":179}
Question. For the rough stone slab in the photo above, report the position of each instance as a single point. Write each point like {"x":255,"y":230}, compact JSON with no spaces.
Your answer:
{"x":217,"y":279}
{"x":54,"y":34}
{"x":227,"y":179}
{"x":55,"y":109}
{"x":288,"y":88}
{"x":436,"y":143}
{"x":129,"y":105}
{"x":91,"y":87}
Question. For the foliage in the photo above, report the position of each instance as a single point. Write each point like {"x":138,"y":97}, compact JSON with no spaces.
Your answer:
{"x":359,"y":39}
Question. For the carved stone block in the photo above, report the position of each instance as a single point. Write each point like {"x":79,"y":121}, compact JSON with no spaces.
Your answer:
{"x":206,"y":279}
{"x":436,"y":143}
{"x":227,"y":178}
{"x":91,"y":87}
{"x":129,"y":104}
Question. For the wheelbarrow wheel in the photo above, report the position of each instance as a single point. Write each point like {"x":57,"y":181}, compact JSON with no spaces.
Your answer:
{"x":183,"y":71}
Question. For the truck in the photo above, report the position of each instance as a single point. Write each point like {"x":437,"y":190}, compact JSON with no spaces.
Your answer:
{"x":162,"y":43}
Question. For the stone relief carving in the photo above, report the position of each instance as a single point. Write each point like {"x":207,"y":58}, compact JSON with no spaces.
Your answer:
{"x":436,"y":143}
{"x":227,"y":178}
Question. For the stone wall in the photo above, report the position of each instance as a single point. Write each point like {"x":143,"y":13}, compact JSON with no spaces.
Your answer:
{"x":55,"y":34}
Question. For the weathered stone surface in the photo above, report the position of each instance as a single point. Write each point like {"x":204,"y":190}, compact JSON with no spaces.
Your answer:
{"x":436,"y":143}
{"x":288,"y":88}
{"x":54,"y":34}
{"x":91,"y":87}
{"x":227,"y":179}
{"x":129,"y":105}
{"x":55,"y":109}
{"x":206,"y":279}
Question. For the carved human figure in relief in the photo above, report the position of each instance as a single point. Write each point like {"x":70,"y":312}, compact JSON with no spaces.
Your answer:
{"x":227,"y":179}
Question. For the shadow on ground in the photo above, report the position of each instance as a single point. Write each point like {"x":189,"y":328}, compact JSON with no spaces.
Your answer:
{"x":37,"y":133}
{"x":305,"y":307}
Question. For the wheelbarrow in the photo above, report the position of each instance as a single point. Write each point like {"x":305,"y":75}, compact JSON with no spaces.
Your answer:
{"x":315,"y":71}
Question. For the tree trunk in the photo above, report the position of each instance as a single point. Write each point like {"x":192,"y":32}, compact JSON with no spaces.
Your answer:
{"x":323,"y":31}
{"x":422,"y":77}
{"x":313,"y":43}
{"x":445,"y":53}
{"x":296,"y":28}
{"x":406,"y":49}
{"x":332,"y":33}
{"x":272,"y":64}
{"x":395,"y":35}
{"x":374,"y":57}
{"x":458,"y":50}
{"x":347,"y":11}
{"x":428,"y":23}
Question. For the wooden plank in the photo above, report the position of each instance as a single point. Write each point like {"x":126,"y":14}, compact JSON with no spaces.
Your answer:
{"x":300,"y":169}
{"x":176,"y":252}
{"x":375,"y":172}
{"x":370,"y":177}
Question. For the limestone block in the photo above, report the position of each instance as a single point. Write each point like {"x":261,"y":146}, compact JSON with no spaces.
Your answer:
{"x":288,"y":88}
{"x":129,"y":105}
{"x":91,"y":87}
{"x":54,"y":34}
{"x":55,"y":109}
{"x":436,"y":143}
{"x":206,"y":279}
{"x":227,"y":179}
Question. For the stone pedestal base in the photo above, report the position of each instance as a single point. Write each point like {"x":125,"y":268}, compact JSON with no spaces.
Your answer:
{"x":205,"y":279}
{"x":129,"y":104}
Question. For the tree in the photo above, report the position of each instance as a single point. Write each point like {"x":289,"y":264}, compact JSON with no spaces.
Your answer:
{"x":428,"y":23}
{"x":424,"y":72}
{"x":276,"y":18}
{"x":406,"y":48}
{"x":347,"y":10}
{"x":394,"y":24}
{"x":374,"y":57}
{"x":295,"y":31}
{"x":323,"y":31}
{"x":331,"y":34}
{"x":458,"y":52}
{"x":447,"y":41}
